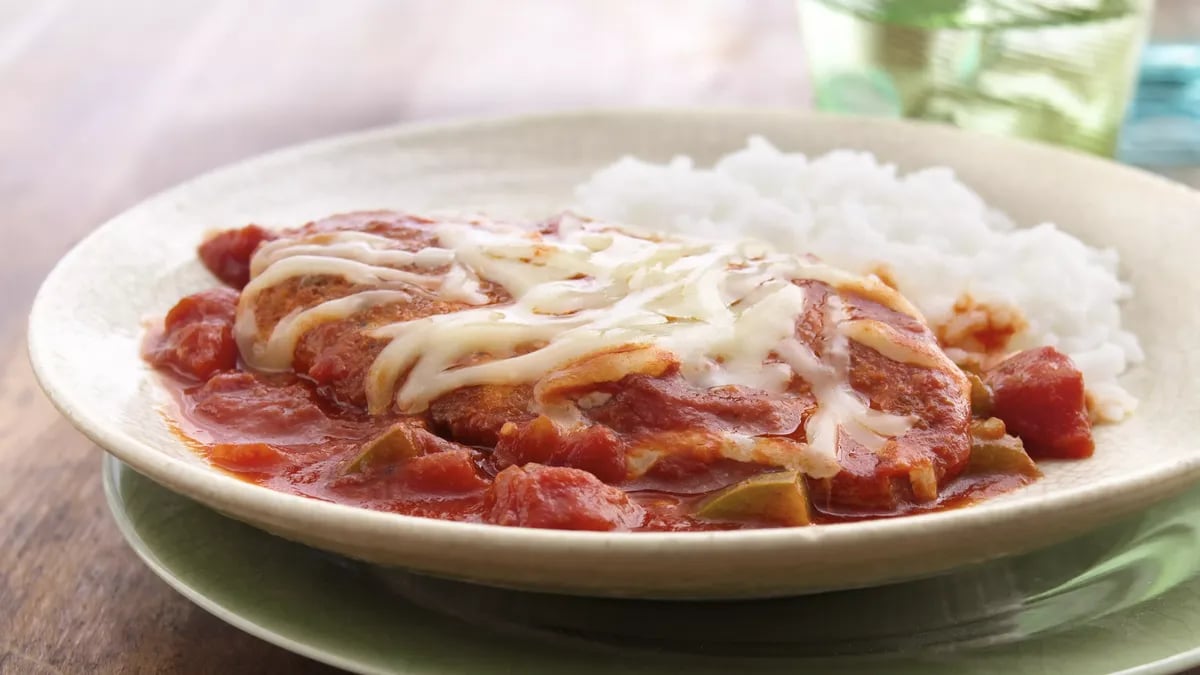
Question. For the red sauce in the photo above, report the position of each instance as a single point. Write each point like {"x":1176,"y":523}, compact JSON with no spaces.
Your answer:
{"x":275,"y":431}
{"x":479,"y":455}
{"x":300,"y":446}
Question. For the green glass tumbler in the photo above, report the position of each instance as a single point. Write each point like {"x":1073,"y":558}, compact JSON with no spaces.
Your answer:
{"x":1060,"y":71}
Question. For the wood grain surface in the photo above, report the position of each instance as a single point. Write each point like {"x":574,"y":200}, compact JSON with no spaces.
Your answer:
{"x":104,"y":103}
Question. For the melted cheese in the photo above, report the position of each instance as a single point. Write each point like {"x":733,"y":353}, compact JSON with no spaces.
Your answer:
{"x":897,"y":346}
{"x":726,"y":311}
{"x":840,"y":409}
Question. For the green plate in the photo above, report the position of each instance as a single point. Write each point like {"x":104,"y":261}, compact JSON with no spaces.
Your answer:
{"x":1124,"y":598}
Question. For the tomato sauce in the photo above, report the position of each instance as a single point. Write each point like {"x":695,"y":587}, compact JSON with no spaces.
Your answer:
{"x":276,"y":431}
{"x":478,"y":455}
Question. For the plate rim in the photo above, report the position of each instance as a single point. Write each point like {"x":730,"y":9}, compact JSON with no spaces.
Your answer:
{"x":216,"y":488}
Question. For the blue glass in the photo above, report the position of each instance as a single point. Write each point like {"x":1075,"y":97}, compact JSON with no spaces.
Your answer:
{"x":1163,"y":124}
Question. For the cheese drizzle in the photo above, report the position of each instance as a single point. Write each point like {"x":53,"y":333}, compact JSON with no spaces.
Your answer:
{"x":725,"y":311}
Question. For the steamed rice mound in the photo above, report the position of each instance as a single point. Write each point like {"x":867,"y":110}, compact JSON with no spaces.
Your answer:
{"x":960,"y":261}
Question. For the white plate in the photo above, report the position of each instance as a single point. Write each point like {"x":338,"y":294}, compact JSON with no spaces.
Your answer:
{"x":87,"y":323}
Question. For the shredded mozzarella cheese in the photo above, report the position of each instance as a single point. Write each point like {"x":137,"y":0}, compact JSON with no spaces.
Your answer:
{"x":726,"y":310}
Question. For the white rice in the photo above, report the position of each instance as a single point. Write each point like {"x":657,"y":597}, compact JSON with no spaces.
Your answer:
{"x":937,"y":240}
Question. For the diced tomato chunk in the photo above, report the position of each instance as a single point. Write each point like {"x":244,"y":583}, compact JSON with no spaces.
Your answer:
{"x":197,"y":339}
{"x":227,"y":254}
{"x":1039,"y":394}
{"x":558,"y":498}
{"x":244,"y":457}
{"x":447,"y":472}
{"x":242,"y":402}
{"x":596,"y":449}
{"x":214,"y":304}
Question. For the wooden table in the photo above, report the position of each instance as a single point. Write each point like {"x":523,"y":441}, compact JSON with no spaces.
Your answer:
{"x":102,"y":104}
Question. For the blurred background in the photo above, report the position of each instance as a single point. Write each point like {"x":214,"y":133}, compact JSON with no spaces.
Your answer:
{"x":104,"y":103}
